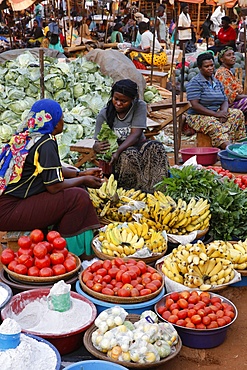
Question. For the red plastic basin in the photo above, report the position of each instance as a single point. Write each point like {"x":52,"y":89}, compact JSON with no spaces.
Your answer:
{"x":66,"y":342}
{"x":204,"y":155}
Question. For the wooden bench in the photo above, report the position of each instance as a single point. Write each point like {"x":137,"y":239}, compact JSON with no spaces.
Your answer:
{"x":160,"y":77}
{"x":85,"y":147}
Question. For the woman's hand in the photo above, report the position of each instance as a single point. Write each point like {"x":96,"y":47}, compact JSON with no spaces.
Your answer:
{"x":92,"y":182}
{"x":222,"y":115}
{"x":114,"y":158}
{"x":95,"y":171}
{"x":101,"y":146}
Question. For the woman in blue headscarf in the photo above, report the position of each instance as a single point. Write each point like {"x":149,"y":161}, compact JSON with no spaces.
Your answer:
{"x":36,"y":191}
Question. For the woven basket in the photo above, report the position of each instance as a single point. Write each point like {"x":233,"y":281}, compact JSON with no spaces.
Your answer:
{"x":39,"y":280}
{"x":119,"y":300}
{"x":87,"y":340}
{"x":148,"y":260}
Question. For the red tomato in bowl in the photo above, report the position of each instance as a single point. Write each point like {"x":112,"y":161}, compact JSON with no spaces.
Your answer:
{"x":26,"y":260}
{"x":57,"y":258}
{"x":40,"y":250}
{"x":59,"y":269}
{"x":42,"y":262}
{"x":52,"y":235}
{"x":25,"y":251}
{"x":69,"y":264}
{"x":20,"y":269}
{"x":36,"y":236}
{"x":46,"y":272}
{"x":33,"y":271}
{"x":24,"y":242}
{"x":7,"y":256}
{"x":59,"y":243}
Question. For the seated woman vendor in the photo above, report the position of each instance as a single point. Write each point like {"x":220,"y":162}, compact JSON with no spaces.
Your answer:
{"x":138,"y":163}
{"x":36,"y":191}
{"x":209,"y":112}
{"x":232,"y":86}
{"x":143,"y":54}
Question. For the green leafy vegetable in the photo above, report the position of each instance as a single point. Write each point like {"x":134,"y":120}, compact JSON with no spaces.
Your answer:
{"x":106,"y":134}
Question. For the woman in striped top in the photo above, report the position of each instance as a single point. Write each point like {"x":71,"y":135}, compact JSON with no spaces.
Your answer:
{"x":209,"y":112}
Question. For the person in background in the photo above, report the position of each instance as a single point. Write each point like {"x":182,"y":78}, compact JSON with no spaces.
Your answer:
{"x":39,"y":13}
{"x":232,"y":86}
{"x":209,"y":112}
{"x":138,"y":163}
{"x":116,"y":35}
{"x":36,"y":191}
{"x":36,"y":35}
{"x":136,"y":36}
{"x":84,"y":32}
{"x":226,"y":36}
{"x":216,"y":18}
{"x":185,"y":26}
{"x":143,"y":54}
{"x":53,"y":35}
{"x":160,"y":25}
{"x":206,"y":28}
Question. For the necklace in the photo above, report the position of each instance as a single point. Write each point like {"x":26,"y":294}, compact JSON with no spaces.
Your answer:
{"x":122,"y":119}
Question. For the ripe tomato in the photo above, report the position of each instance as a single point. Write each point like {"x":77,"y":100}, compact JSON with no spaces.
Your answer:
{"x":102,"y":272}
{"x":59,"y":243}
{"x":106,"y":279}
{"x":212,"y":316}
{"x":33,"y":271}
{"x":166,"y":315}
{"x":24,"y":241}
{"x":206,"y":320}
{"x":123,"y":268}
{"x":181,"y":322}
{"x":96,"y":265}
{"x":220,"y":313}
{"x":191,"y":312}
{"x":126,"y":277}
{"x":184,"y":294}
{"x":161,"y":309}
{"x":215,"y":299}
{"x":26,"y":260}
{"x":7,"y":256}
{"x":42,"y":262}
{"x":122,"y":292}
{"x":229,"y":313}
{"x":213,"y":325}
{"x":173,"y":319}
{"x":108,"y":291}
{"x":86,"y":275}
{"x":25,"y":251}
{"x":201,"y":312}
{"x":142,"y":266}
{"x":200,"y":326}
{"x":40,"y":250}
{"x":58,"y":269}
{"x":193,"y":299}
{"x":69,"y":264}
{"x":57,"y":258}
{"x":90,"y":284}
{"x":97,"y":287}
{"x":20,"y":269}
{"x":107,"y":264}
{"x":46,"y":272}
{"x":139,"y":287}
{"x":182,"y":314}
{"x":52,"y":235}
{"x":36,"y":236}
{"x":182,"y":303}
{"x":174,"y":296}
{"x":227,"y":319}
{"x":135,"y":268}
{"x":97,"y":278}
{"x":157,"y":283}
{"x":169,"y":302}
{"x":12,"y":264}
{"x":132,"y":274}
{"x":118,"y":261}
{"x":119,"y":275}
{"x":196,"y":319}
{"x":113,"y":272}
{"x":131,"y":261}
{"x":145,"y":291}
{"x":49,"y":246}
{"x":151,"y":286}
{"x":190,"y":325}
{"x":146,"y":280}
{"x":64,"y":251}
{"x":134,"y":292}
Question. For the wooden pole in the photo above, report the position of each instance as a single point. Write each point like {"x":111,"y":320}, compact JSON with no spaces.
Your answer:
{"x":68,"y":12}
{"x":152,"y":65}
{"x":175,"y":41}
{"x":41,"y":66}
{"x":198,"y":19}
{"x":245,"y":61}
{"x":180,"y":121}
{"x":174,"y":118}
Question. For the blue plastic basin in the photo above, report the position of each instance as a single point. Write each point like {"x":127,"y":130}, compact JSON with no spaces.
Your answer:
{"x":95,"y":365}
{"x":9,"y":341}
{"x":136,"y":308}
{"x":232,"y":154}
{"x":236,"y":164}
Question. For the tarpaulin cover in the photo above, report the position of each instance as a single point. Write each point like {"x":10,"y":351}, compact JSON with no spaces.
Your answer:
{"x":18,"y":5}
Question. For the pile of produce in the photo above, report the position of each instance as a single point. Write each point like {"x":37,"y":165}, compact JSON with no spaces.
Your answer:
{"x":196,"y":310}
{"x":39,"y":257}
{"x":121,"y":278}
{"x":125,"y":239}
{"x":228,"y":203}
{"x":192,"y":70}
{"x":240,"y":180}
{"x":140,"y":342}
{"x":160,"y":212}
{"x":204,"y":266}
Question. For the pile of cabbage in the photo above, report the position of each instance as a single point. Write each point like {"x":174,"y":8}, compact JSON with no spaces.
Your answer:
{"x":79,"y":86}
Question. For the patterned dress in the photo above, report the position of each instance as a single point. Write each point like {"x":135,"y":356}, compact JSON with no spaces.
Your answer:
{"x":232,"y":88}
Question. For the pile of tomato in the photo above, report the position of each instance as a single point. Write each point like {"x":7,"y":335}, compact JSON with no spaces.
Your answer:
{"x":121,"y":278}
{"x":196,"y":310}
{"x":39,"y":257}
{"x":240,"y":180}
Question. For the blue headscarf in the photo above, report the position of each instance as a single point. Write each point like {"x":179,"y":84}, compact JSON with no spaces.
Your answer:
{"x":42,"y":119}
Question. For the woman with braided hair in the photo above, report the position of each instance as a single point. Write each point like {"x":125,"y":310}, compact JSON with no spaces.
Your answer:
{"x":232,"y":86}
{"x":138,"y":163}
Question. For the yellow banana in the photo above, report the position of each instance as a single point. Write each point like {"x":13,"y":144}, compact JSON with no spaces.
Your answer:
{"x":216,"y":269}
{"x":139,"y":244}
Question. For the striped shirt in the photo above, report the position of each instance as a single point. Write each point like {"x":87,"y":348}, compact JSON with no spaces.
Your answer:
{"x":210,"y":95}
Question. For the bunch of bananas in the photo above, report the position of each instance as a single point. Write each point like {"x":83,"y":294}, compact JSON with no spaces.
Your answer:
{"x":109,"y":198}
{"x":234,"y":252}
{"x":121,"y":240}
{"x":163,"y":213}
{"x":199,"y":266}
